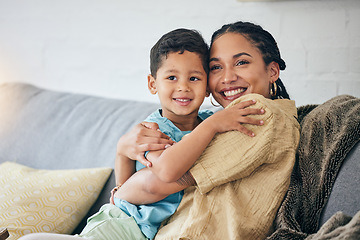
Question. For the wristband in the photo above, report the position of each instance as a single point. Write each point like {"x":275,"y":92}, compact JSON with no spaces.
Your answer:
{"x":113,"y":191}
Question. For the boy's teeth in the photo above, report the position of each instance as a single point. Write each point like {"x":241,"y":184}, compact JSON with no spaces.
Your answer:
{"x":234,"y":92}
{"x":182,"y":100}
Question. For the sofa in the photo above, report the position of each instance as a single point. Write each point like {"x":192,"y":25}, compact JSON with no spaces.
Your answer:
{"x":46,"y":133}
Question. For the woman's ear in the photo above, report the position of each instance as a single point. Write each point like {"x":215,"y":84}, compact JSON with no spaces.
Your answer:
{"x":274,"y":71}
{"x":152,"y":84}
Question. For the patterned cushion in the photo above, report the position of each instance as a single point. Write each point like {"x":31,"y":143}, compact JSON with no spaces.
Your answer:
{"x":46,"y":200}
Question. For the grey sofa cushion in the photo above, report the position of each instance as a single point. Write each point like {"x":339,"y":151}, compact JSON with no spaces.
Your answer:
{"x":35,"y":124}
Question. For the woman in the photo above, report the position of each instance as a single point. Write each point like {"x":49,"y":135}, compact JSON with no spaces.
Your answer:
{"x":239,"y":185}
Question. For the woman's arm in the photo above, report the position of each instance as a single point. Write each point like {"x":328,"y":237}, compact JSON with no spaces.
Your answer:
{"x":132,"y":146}
{"x":145,"y":136}
{"x":124,"y":168}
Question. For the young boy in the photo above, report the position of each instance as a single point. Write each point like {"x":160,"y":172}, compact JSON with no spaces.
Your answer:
{"x":179,"y":68}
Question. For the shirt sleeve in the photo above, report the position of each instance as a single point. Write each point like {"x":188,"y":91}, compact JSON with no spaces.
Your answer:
{"x":233,"y":155}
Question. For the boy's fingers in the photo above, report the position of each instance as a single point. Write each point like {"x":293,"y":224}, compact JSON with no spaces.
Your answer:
{"x":252,"y":121}
{"x":255,"y":111}
{"x":246,"y":131}
{"x":251,"y":111}
{"x":246,"y":104}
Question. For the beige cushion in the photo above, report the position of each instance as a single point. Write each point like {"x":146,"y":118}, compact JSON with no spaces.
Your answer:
{"x":34,"y":200}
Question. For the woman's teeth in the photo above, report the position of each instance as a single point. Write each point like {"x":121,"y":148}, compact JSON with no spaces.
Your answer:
{"x":234,"y":92}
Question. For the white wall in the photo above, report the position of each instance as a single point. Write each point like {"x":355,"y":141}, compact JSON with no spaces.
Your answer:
{"x":102,"y":47}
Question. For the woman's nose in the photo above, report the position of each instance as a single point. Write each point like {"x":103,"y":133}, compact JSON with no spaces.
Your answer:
{"x":229,"y":76}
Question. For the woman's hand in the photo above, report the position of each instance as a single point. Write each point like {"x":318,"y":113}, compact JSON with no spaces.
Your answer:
{"x":234,"y":117}
{"x":145,"y":136}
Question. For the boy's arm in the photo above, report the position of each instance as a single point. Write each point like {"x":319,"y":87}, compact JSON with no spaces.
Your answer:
{"x":169,"y":171}
{"x":143,"y":187}
{"x":232,"y":156}
{"x":171,"y":164}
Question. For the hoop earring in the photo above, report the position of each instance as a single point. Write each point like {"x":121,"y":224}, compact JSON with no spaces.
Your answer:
{"x":215,"y":105}
{"x":273,"y":89}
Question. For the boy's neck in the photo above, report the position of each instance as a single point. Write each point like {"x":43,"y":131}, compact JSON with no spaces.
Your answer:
{"x":184,"y":122}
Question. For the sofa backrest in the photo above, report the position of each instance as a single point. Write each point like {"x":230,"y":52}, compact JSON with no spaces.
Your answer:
{"x":57,"y":130}
{"x":46,"y":129}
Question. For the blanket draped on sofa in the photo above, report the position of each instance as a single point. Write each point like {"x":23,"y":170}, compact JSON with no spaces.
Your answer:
{"x":328,"y":132}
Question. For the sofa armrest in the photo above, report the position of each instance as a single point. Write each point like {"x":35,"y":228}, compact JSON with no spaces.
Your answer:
{"x":345,"y":194}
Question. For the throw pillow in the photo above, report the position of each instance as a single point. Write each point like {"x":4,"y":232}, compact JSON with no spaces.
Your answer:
{"x":56,"y":201}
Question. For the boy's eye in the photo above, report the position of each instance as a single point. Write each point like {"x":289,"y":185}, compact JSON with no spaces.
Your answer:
{"x":194,"y":79}
{"x":172,"y":78}
{"x":241,"y":62}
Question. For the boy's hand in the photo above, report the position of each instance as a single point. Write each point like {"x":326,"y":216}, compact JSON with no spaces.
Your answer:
{"x":145,"y":136}
{"x":234,"y":117}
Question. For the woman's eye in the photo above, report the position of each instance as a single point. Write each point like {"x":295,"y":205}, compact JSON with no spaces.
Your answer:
{"x":215,"y":67}
{"x":241,"y":62}
{"x":172,"y":78}
{"x":194,"y":79}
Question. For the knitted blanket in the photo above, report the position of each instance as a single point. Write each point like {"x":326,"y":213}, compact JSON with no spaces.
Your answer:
{"x":328,"y":132}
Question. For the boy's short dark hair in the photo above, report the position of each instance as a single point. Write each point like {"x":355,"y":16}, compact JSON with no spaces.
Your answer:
{"x":178,"y":40}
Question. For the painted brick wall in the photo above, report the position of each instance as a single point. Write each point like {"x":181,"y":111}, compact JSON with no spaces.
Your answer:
{"x":102,"y":47}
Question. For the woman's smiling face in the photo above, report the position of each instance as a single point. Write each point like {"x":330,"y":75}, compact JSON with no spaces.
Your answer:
{"x":237,"y":68}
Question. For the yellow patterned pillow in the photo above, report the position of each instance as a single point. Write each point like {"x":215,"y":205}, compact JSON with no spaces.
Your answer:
{"x":34,"y":200}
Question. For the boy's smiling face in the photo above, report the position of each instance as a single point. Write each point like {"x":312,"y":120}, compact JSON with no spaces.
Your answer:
{"x":180,"y":83}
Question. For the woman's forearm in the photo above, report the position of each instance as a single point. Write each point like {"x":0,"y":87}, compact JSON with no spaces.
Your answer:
{"x":124,"y":168}
{"x":141,"y":138}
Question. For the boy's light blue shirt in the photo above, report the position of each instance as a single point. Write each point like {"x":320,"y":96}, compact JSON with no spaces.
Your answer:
{"x":149,"y":216}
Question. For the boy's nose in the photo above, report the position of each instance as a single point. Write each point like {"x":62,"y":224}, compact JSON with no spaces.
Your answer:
{"x":183,"y":86}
